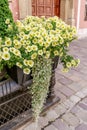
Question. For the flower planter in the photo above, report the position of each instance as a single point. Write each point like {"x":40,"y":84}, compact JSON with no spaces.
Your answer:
{"x":17,"y":75}
{"x":2,"y":74}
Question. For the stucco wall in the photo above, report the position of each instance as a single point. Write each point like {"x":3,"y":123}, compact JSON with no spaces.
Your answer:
{"x":13,"y":4}
{"x":83,"y":23}
{"x":75,"y":11}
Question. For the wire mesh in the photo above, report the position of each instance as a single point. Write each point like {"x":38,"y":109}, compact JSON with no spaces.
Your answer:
{"x":14,"y":105}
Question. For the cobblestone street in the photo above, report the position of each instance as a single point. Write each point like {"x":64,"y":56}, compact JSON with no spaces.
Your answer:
{"x":72,"y":89}
{"x":71,"y":112}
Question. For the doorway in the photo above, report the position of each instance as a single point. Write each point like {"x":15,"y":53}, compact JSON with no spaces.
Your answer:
{"x":46,"y":8}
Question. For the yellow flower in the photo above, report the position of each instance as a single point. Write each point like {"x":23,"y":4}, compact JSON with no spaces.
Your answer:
{"x":73,"y":62}
{"x":5,"y":56}
{"x":47,"y":54}
{"x":17,"y":46}
{"x":21,"y":34}
{"x":12,"y":49}
{"x":10,"y":27}
{"x":26,"y":71}
{"x":16,"y":42}
{"x":27,"y":28}
{"x":78,"y":61}
{"x":29,"y":48}
{"x":17,"y":52}
{"x":35,"y":40}
{"x":7,"y":21}
{"x":40,"y":42}
{"x":53,"y":44}
{"x":8,"y":42}
{"x":61,"y":54}
{"x":67,"y":44}
{"x":19,"y":65}
{"x":46,"y":44}
{"x":33,"y":56}
{"x":30,"y":63}
{"x":40,"y":52}
{"x":68,"y":64}
{"x":25,"y":37}
{"x":65,"y":70}
{"x":56,"y":53}
{"x":5,"y":49}
{"x":25,"y":62}
{"x":34,"y":48}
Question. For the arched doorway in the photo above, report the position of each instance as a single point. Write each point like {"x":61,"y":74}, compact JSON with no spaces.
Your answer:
{"x":46,"y":8}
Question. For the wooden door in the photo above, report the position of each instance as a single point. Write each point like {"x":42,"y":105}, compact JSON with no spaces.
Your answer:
{"x":46,"y":8}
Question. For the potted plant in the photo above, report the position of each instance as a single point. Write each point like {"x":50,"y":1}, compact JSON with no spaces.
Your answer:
{"x":38,"y":41}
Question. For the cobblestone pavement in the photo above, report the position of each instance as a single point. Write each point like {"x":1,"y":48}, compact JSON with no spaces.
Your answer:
{"x":71,"y":112}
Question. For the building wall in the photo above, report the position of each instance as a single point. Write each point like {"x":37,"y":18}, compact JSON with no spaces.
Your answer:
{"x":83,"y":23}
{"x":20,"y":11}
{"x":79,"y":14}
{"x":76,"y":11}
{"x":14,"y":6}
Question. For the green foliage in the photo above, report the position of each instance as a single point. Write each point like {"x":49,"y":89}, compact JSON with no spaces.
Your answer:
{"x":41,"y":81}
{"x":7,"y":25}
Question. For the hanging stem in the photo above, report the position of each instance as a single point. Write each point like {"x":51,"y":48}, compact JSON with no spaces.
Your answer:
{"x":41,"y":81}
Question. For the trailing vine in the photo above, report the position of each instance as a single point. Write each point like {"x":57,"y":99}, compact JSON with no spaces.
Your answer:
{"x":41,"y":80}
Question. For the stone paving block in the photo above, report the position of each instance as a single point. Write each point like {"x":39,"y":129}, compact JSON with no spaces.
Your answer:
{"x":60,"y":95}
{"x":60,"y":110}
{"x":75,"y":109}
{"x":85,"y":100}
{"x":43,"y":121}
{"x":84,"y":91}
{"x":83,"y":106}
{"x":76,"y":86}
{"x":81,"y":127}
{"x":58,"y":85}
{"x":65,"y":81}
{"x":75,"y":99}
{"x":32,"y":126}
{"x":50,"y":127}
{"x":61,"y":125}
{"x":74,"y":78}
{"x":82,"y":115}
{"x":66,"y":91}
{"x":71,"y":119}
{"x":80,"y":94}
{"x":69,"y":103}
{"x":51,"y":115}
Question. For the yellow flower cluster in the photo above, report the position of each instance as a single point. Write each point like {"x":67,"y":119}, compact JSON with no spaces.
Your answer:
{"x":46,"y":37}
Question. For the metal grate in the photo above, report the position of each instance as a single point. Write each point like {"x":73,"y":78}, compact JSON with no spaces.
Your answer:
{"x":14,"y":106}
{"x":15,"y":99}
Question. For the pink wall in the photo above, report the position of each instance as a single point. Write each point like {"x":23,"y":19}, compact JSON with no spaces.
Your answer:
{"x":75,"y":11}
{"x":14,"y":8}
{"x":83,"y":23}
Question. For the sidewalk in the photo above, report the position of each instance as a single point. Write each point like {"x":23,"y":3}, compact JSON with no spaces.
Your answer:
{"x":71,"y":112}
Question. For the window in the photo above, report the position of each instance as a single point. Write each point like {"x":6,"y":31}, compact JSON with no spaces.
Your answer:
{"x":86,"y":10}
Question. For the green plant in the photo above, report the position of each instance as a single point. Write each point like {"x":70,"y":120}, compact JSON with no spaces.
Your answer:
{"x":41,"y":81}
{"x":8,"y":30}
{"x":38,"y":40}
{"x":7,"y":24}
{"x":38,"y":37}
